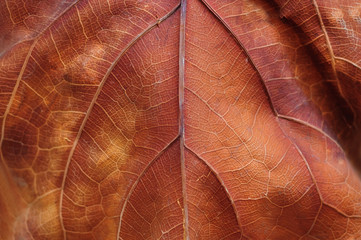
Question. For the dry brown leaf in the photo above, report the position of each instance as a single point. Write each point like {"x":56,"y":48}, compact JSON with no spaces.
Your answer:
{"x":213,"y":119}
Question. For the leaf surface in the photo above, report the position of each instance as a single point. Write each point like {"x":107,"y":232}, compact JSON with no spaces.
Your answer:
{"x":169,"y":120}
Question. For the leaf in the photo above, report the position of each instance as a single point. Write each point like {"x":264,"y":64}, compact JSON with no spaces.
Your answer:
{"x":166,"y":119}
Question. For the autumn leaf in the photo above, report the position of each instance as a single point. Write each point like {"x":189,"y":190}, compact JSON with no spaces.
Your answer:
{"x":232,"y":119}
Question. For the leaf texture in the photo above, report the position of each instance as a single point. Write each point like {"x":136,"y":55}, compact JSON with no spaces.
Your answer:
{"x":199,"y":119}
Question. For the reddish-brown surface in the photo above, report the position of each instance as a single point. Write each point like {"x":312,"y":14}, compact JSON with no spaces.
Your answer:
{"x":213,"y":119}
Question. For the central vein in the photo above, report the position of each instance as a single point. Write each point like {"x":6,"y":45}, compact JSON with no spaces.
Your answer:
{"x":181,"y":113}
